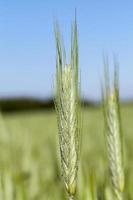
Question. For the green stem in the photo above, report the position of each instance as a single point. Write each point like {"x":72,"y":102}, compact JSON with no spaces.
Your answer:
{"x":71,"y":198}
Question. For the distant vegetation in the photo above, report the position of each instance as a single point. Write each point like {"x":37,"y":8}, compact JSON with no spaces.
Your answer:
{"x":30,"y":163}
{"x":25,"y":104}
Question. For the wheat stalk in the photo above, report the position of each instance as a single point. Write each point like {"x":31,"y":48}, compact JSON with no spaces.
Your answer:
{"x":67,"y":107}
{"x":113,"y":133}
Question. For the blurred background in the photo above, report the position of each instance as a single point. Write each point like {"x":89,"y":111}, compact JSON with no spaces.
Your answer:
{"x":29,"y":150}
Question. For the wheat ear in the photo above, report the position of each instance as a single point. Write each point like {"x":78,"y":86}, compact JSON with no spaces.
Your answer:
{"x":113,"y":133}
{"x":67,"y":107}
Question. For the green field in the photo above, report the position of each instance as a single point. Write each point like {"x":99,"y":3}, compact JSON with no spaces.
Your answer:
{"x":30,"y":162}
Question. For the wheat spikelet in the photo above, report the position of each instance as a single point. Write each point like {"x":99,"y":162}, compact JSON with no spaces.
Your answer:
{"x":114,"y":147}
{"x":114,"y":134}
{"x":67,"y":107}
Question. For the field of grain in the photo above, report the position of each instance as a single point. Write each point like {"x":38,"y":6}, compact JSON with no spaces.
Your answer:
{"x":30,"y":161}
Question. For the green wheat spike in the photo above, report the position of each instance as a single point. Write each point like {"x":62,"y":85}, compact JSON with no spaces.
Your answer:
{"x":113,"y":133}
{"x":68,"y":110}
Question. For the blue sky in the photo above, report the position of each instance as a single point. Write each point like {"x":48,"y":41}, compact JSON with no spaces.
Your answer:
{"x":27,"y":43}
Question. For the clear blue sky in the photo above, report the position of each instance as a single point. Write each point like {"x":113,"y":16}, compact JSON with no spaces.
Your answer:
{"x":27,"y":45}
